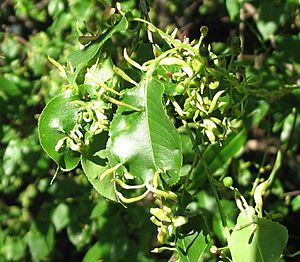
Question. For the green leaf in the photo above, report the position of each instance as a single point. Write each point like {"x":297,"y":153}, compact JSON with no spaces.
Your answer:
{"x":233,"y":8}
{"x":94,"y":253}
{"x":145,"y":141}
{"x":14,"y":248}
{"x":257,"y":114}
{"x":12,"y":156}
{"x":55,"y":7}
{"x":193,"y":240}
{"x":8,"y":88}
{"x":61,"y":217}
{"x":102,"y":71}
{"x":93,"y":168}
{"x":262,"y":241}
{"x":269,"y":14}
{"x":81,"y":59}
{"x":217,"y":156}
{"x":94,"y":163}
{"x":295,"y":203}
{"x":39,"y":244}
{"x":57,"y":120}
{"x":286,"y":46}
{"x":79,"y":234}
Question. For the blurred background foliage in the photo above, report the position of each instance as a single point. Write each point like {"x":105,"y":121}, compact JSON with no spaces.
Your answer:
{"x":68,"y":221}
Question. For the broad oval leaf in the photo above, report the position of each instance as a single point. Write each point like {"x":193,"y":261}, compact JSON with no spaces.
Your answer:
{"x":57,"y":120}
{"x":145,"y":141}
{"x":261,"y":241}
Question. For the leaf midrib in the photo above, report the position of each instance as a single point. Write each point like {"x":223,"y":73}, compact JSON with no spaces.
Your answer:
{"x":147,"y":121}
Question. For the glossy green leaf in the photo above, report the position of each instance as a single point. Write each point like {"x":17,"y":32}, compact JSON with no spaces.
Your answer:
{"x":57,"y":120}
{"x":193,"y":240}
{"x":102,"y":71}
{"x":295,"y":203}
{"x":145,"y":141}
{"x":89,"y":52}
{"x":262,"y":241}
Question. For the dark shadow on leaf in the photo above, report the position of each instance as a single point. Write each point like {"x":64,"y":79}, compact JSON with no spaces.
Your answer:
{"x":251,"y":238}
{"x":126,"y":113}
{"x":193,"y":237}
{"x":98,"y":143}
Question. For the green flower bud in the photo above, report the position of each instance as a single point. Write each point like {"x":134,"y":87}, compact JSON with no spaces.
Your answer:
{"x":190,"y":113}
{"x":227,"y":181}
{"x":204,"y":30}
{"x":160,"y":214}
{"x":162,"y":237}
{"x":180,"y":89}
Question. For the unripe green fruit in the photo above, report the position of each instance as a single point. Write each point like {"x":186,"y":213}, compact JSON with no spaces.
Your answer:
{"x":180,"y":89}
{"x":227,"y":181}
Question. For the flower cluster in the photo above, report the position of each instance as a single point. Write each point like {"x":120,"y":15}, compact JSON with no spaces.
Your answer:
{"x":203,"y":84}
{"x":90,"y":121}
{"x":166,"y":223}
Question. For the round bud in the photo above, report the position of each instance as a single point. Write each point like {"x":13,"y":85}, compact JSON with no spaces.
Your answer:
{"x":204,"y":30}
{"x":227,"y":181}
{"x":213,"y":249}
{"x":180,"y":89}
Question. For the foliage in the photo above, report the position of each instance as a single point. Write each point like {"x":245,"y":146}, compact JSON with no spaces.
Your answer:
{"x":143,"y":116}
